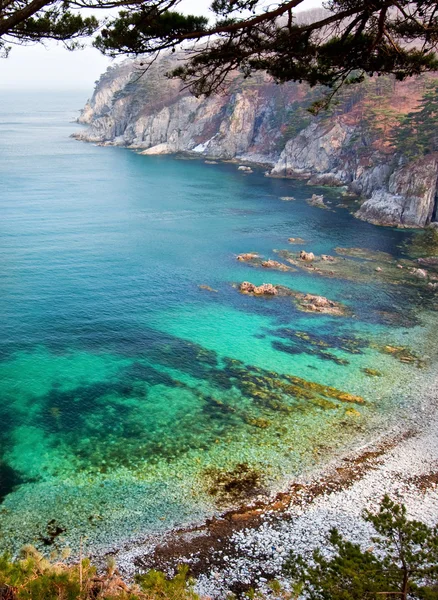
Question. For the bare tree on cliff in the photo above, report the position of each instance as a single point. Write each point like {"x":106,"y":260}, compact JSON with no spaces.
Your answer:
{"x":352,"y":39}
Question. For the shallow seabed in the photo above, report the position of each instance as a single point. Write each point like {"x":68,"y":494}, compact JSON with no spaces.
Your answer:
{"x":134,"y":401}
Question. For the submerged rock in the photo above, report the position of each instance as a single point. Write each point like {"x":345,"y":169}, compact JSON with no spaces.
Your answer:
{"x":371,"y":372}
{"x":317,"y":200}
{"x":296,"y":240}
{"x":401,"y":353}
{"x":421,"y":273}
{"x":248,"y":256}
{"x":321,"y":304}
{"x":428,"y":261}
{"x":274,"y":264}
{"x":207,"y":288}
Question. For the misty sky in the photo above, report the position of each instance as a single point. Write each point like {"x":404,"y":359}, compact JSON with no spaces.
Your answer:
{"x":52,"y":67}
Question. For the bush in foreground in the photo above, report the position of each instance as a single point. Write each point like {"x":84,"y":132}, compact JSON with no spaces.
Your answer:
{"x":33,"y":577}
{"x":403,"y":563}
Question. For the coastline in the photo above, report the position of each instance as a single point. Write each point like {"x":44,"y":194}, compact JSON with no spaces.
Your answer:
{"x":244,"y":548}
{"x":267,"y":165}
{"x":230,"y":534}
{"x":227,"y":553}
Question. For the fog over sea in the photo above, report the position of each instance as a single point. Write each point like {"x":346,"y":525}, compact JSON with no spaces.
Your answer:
{"x":131,"y":399}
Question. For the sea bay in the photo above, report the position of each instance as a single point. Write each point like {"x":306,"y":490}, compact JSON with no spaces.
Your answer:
{"x":133,"y":401}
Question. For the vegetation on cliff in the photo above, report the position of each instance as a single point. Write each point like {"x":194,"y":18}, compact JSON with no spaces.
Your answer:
{"x":417,"y":134}
{"x":339,"y":46}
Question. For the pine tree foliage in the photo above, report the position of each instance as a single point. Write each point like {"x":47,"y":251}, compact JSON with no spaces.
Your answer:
{"x":31,"y":21}
{"x":351,"y":39}
{"x":417,"y":134}
{"x":403,"y":563}
{"x":342,"y":44}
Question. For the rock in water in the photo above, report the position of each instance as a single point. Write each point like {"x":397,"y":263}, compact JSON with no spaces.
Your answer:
{"x":316,"y":200}
{"x":247,"y":256}
{"x":266,"y":289}
{"x":273,"y":264}
{"x":307,"y":256}
{"x":320,"y":304}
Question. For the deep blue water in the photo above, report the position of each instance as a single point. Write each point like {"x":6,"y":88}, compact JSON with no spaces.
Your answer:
{"x":127,"y":391}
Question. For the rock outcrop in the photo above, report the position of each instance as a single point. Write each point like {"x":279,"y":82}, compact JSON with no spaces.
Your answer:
{"x":266,"y":289}
{"x":314,"y":152}
{"x":410,"y":198}
{"x":304,"y":302}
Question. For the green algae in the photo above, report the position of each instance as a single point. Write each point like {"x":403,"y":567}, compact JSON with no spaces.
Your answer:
{"x":422,"y":243}
{"x":371,"y":372}
{"x":236,"y":485}
{"x":301,"y":342}
{"x":311,"y":344}
{"x":365,"y":254}
{"x":364,"y":268}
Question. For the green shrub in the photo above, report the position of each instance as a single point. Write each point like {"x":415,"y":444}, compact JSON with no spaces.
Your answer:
{"x":34,"y":577}
{"x":402,"y":564}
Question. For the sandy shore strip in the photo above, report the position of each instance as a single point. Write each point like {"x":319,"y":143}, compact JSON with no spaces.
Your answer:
{"x":247,"y":547}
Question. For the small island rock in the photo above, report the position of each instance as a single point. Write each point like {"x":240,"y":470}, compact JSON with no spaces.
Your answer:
{"x":266,"y":289}
{"x":308,"y":256}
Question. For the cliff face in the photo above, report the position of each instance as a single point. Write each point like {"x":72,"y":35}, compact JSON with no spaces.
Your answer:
{"x":410,"y":198}
{"x":316,"y":154}
{"x":155,"y":114}
{"x":256,"y":120}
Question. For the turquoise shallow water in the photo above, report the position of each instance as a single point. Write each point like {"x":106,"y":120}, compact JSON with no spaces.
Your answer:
{"x":132,"y":400}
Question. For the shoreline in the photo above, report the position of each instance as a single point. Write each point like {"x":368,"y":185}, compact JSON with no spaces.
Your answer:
{"x":245,"y":547}
{"x":265,"y":165}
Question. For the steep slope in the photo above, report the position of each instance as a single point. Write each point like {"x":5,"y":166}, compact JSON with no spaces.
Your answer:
{"x":257,"y":120}
{"x":156,"y":114}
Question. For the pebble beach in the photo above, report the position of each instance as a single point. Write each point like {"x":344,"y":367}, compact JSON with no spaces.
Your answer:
{"x":246,"y":549}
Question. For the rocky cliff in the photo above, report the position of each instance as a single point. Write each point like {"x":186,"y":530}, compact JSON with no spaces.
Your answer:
{"x":259,"y":121}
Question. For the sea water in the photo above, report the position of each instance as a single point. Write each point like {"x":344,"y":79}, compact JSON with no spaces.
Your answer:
{"x":132,"y":400}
